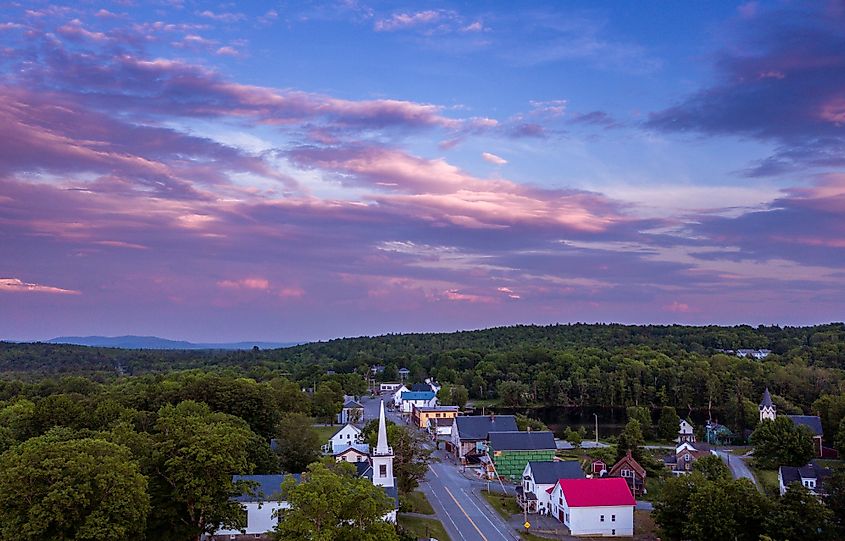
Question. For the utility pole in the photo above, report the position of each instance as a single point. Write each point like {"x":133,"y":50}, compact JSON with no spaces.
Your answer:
{"x":597,"y":428}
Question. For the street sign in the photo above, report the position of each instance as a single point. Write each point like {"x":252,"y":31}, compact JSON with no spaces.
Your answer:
{"x":527,"y":524}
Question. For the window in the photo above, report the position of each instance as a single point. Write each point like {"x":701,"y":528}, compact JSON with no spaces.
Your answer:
{"x":686,"y":458}
{"x":382,"y":470}
{"x":612,"y":532}
{"x":612,"y":518}
{"x":602,"y":518}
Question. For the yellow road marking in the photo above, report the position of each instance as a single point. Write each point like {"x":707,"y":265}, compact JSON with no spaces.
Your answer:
{"x":474,"y":525}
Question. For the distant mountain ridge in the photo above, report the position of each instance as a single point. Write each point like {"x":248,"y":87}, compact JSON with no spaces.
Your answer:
{"x":154,"y":342}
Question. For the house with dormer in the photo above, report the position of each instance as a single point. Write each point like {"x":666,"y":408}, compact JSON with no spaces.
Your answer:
{"x":812,"y":477}
{"x":630,"y":470}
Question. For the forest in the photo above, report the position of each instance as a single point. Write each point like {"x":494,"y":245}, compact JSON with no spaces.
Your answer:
{"x":575,"y":365}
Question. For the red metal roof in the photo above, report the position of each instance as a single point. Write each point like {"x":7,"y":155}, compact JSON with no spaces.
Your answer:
{"x":596,"y":492}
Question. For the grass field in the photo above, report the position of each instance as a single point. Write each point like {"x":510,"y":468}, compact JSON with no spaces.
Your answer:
{"x":504,"y":505}
{"x":415,"y":502}
{"x":423,"y":527}
{"x":768,"y":479}
{"x":326,"y":432}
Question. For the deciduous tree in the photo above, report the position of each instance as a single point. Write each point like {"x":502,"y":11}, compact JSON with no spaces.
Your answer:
{"x":298,"y":444}
{"x":781,"y":443}
{"x":80,"y":489}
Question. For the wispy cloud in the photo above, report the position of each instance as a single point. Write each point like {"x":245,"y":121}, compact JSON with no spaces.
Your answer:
{"x":16,"y":285}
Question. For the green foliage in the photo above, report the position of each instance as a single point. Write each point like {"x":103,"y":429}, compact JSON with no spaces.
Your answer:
{"x":523,"y":422}
{"x":800,"y":515}
{"x":298,"y":445}
{"x":328,"y":401}
{"x":332,"y":506}
{"x":193,"y":455}
{"x":630,"y":439}
{"x":692,"y":507}
{"x":575,"y":437}
{"x":835,"y":498}
{"x":667,"y":426}
{"x":643,"y":416}
{"x":79,"y":489}
{"x":781,"y":443}
{"x":453,"y":395}
{"x":712,"y":468}
{"x":513,"y":393}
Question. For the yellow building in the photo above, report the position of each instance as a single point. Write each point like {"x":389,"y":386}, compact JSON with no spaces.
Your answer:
{"x":421,"y":415}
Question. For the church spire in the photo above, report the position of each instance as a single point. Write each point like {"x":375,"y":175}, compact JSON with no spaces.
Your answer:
{"x":381,"y":446}
{"x":382,"y":455}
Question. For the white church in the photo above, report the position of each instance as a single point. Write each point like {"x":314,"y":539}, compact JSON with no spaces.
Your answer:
{"x":263,"y":505}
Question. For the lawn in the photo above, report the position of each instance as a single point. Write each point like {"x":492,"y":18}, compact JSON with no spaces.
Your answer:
{"x":423,"y":527}
{"x":768,"y":479}
{"x":503,"y":504}
{"x":644,"y":526}
{"x":415,"y":502}
{"x":326,"y":432}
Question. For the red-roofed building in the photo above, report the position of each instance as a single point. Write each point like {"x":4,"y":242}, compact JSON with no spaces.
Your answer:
{"x":598,"y":506}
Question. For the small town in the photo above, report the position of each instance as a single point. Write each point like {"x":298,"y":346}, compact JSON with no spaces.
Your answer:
{"x":392,"y":270}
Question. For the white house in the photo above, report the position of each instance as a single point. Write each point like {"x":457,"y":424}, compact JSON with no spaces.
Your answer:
{"x":685,"y":432}
{"x":352,"y":412}
{"x":598,"y":506}
{"x":351,"y":452}
{"x":440,"y":428}
{"x":388,"y":387}
{"x":261,"y":504}
{"x":346,"y":435}
{"x":420,"y":399}
{"x":397,"y":396}
{"x":812,"y":477}
{"x":539,"y":477}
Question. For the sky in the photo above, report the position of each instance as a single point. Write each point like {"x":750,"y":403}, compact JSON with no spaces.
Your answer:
{"x":295,"y":171}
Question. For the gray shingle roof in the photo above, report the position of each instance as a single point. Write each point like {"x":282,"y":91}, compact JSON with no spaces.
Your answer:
{"x":476,"y":427}
{"x":548,"y":472}
{"x":521,"y":441}
{"x":791,"y":474}
{"x":352,"y":404}
{"x":767,"y":399}
{"x":268,"y":487}
{"x":813,"y":422}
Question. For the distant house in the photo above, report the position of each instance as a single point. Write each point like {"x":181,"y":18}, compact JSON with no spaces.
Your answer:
{"x":813,"y":423}
{"x":410,"y":399}
{"x":597,"y":507}
{"x":440,"y":428}
{"x":352,"y":412}
{"x":685,"y":432}
{"x":421,"y":414}
{"x":347,"y":434}
{"x":629,"y":469}
{"x":377,"y":369}
{"x":397,"y":396}
{"x":598,"y":467}
{"x":812,"y":477}
{"x":469,"y":432}
{"x":539,"y":477}
{"x":680,"y":462}
{"x":260,"y":503}
{"x":388,"y":387}
{"x":404,"y":373}
{"x":754,"y":353}
{"x":351,"y":452}
{"x":512,"y":451}
{"x":716,"y":434}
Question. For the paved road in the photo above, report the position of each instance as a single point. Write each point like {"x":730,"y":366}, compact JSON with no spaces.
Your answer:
{"x":465,"y":514}
{"x":739,"y":469}
{"x":456,"y":500}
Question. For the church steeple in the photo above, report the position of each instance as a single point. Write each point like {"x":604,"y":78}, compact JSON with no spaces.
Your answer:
{"x":768,"y":410}
{"x":382,"y":455}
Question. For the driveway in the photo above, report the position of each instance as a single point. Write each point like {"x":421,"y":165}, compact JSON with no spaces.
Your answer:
{"x":739,"y":469}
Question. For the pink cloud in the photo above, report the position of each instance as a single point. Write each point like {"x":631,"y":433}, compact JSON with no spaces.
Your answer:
{"x":227,"y":51}
{"x":494,"y":159}
{"x":16,"y":285}
{"x":245,"y":283}
{"x":677,"y":307}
